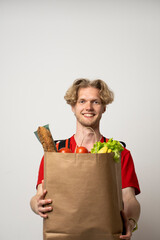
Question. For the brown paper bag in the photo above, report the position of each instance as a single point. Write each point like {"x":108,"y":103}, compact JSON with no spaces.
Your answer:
{"x":87,"y":196}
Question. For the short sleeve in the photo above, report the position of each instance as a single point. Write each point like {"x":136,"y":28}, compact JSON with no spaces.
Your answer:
{"x":129,"y":177}
{"x":41,"y":172}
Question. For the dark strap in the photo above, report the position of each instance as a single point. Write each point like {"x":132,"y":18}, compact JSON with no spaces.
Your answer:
{"x":66,"y":143}
{"x":123,"y":143}
{"x":62,"y":143}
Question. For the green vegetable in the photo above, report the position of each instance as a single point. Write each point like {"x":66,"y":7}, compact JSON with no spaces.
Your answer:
{"x":114,"y":145}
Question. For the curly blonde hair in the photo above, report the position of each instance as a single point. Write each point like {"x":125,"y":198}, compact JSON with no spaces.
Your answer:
{"x":106,"y":95}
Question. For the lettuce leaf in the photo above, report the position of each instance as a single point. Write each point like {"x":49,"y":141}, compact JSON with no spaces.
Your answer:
{"x":114,"y":145}
{"x":96,"y":147}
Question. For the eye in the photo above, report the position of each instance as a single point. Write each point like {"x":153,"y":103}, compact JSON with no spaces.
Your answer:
{"x":96,"y":102}
{"x":81,"y":101}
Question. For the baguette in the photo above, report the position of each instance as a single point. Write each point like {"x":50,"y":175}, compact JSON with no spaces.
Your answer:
{"x":46,"y":139}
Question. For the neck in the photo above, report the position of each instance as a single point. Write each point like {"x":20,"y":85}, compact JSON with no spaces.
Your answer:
{"x":87,"y":136}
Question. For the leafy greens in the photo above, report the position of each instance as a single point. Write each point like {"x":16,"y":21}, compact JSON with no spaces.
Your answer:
{"x":114,"y":145}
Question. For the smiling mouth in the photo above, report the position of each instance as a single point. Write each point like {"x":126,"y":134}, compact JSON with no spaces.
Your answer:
{"x":88,"y":114}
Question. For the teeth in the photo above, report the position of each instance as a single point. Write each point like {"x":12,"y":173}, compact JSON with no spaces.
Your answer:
{"x":88,"y":115}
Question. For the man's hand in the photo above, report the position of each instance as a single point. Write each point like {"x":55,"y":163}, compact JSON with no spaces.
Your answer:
{"x":128,"y":227}
{"x":131,"y":211}
{"x":39,"y":204}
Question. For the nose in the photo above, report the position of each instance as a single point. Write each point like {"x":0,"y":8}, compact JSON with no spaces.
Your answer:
{"x":89,"y":106}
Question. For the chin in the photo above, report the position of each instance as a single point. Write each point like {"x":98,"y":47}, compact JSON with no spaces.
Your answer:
{"x":92,"y":125}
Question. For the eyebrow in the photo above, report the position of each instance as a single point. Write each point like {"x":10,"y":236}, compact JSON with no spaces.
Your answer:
{"x":92,"y":100}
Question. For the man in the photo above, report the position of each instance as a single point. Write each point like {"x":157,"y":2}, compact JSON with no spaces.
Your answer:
{"x":88,"y":100}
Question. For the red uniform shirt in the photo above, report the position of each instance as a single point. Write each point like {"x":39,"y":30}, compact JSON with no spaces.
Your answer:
{"x":129,"y":177}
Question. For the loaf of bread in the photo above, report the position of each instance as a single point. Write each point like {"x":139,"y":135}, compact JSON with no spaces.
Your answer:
{"x":46,"y":139}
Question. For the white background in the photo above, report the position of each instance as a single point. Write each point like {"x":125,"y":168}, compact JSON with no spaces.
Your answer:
{"x":44,"y":47}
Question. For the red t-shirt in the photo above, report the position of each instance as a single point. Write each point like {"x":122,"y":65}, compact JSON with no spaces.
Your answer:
{"x":129,"y":177}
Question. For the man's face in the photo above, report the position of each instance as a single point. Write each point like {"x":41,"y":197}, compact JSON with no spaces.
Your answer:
{"x":88,"y":108}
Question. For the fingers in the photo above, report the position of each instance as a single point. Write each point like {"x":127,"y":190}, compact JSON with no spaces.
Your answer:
{"x":42,"y":196}
{"x":44,"y":192}
{"x":127,"y":236}
{"x":128,"y":233}
{"x":44,"y":208}
{"x":42,"y":203}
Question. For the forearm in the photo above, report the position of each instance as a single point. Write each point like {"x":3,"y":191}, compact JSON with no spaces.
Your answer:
{"x":130,"y":213}
{"x":132,"y":208}
{"x":131,"y":204}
